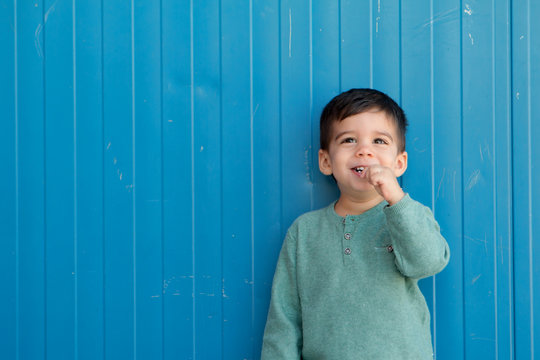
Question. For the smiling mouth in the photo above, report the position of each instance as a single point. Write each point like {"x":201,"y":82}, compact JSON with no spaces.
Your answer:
{"x":359,"y":169}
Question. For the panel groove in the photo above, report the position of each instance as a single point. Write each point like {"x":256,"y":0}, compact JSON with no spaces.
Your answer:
{"x":103,"y":181}
{"x":193,"y":178}
{"x":75,"y":188}
{"x":134,"y":176}
{"x":45,"y":239}
{"x":162,"y":180}
{"x":462,"y":238}
{"x":17,"y":180}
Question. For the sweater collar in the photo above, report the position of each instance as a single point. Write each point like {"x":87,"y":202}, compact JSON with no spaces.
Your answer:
{"x":355,"y":218}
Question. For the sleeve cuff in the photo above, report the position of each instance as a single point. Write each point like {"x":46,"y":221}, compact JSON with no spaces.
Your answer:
{"x":399,"y":208}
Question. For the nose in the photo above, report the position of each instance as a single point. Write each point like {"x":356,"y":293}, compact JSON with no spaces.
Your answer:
{"x":364,"y":150}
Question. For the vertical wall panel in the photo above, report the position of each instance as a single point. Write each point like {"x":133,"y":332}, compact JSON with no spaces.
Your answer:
{"x":60,"y":245}
{"x":237,"y":179}
{"x":295,"y":109}
{"x":8,"y":182}
{"x":525,"y":176}
{"x":478,"y":177}
{"x":207,"y":176}
{"x":448,"y":322}
{"x":31,"y":177}
{"x":155,"y":153}
{"x":178,"y":257}
{"x":147,"y":181}
{"x":501,"y":157}
{"x":266,"y":127}
{"x":534,"y":217}
{"x":89,"y":150}
{"x":118,"y":117}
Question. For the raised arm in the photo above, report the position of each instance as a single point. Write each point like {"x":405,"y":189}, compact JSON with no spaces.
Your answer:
{"x":419,"y":247}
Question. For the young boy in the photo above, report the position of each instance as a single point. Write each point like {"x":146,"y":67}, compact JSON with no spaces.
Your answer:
{"x":345,"y":285}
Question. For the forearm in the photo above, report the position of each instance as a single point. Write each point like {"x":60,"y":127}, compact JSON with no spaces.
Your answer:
{"x":419,"y":247}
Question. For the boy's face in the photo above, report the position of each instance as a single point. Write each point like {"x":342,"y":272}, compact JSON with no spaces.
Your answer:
{"x":359,"y":141}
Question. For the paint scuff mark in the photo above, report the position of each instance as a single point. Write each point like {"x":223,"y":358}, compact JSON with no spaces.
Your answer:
{"x":378,"y":17}
{"x":255,"y":111}
{"x":475,"y":279}
{"x":307,"y":166}
{"x":471,"y":38}
{"x":468,"y":10}
{"x":481,"y":153}
{"x":473,"y":180}
{"x":517,"y":95}
{"x":290,"y":32}
{"x":440,"y":183}
{"x":454,"y":185}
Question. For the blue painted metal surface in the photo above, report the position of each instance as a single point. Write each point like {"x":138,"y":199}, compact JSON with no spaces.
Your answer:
{"x":154,"y":153}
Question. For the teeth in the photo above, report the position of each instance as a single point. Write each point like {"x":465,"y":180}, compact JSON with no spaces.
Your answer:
{"x":359,"y":169}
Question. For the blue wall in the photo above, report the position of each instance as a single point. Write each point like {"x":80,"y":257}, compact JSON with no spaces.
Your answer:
{"x":153,"y":155}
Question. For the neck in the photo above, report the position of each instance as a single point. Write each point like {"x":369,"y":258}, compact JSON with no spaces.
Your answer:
{"x":347,"y":206}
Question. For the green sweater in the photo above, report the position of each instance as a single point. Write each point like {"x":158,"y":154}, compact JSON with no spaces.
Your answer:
{"x":347,"y":288}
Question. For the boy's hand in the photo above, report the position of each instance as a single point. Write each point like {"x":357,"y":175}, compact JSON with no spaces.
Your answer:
{"x":385,"y":183}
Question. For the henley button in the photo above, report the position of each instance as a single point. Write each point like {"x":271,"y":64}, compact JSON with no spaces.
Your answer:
{"x":348,"y":236}
{"x":347,"y":251}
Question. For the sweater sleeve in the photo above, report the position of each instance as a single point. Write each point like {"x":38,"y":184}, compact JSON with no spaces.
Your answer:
{"x":283,"y":332}
{"x":419,"y":247}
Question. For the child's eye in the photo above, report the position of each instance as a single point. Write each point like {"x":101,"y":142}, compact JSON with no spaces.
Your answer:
{"x":380,"y":141}
{"x":348,"y":140}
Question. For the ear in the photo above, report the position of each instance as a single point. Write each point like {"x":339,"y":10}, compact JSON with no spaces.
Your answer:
{"x":325,"y":165}
{"x":401,"y":164}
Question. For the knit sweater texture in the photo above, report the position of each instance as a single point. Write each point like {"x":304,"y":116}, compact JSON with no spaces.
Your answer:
{"x":347,"y":287}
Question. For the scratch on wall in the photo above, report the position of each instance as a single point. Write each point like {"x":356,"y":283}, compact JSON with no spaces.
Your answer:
{"x":307,"y":166}
{"x":440,"y":182}
{"x":480,"y":241}
{"x":37,"y":33}
{"x":471,"y":38}
{"x":290,"y":32}
{"x":445,"y":16}
{"x":473,"y":180}
{"x":481,"y":153}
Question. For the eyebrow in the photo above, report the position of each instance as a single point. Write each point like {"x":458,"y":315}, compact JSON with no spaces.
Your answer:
{"x":383,"y":133}
{"x":342,"y":133}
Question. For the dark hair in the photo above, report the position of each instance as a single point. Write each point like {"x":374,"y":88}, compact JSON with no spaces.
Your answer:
{"x":356,"y":101}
